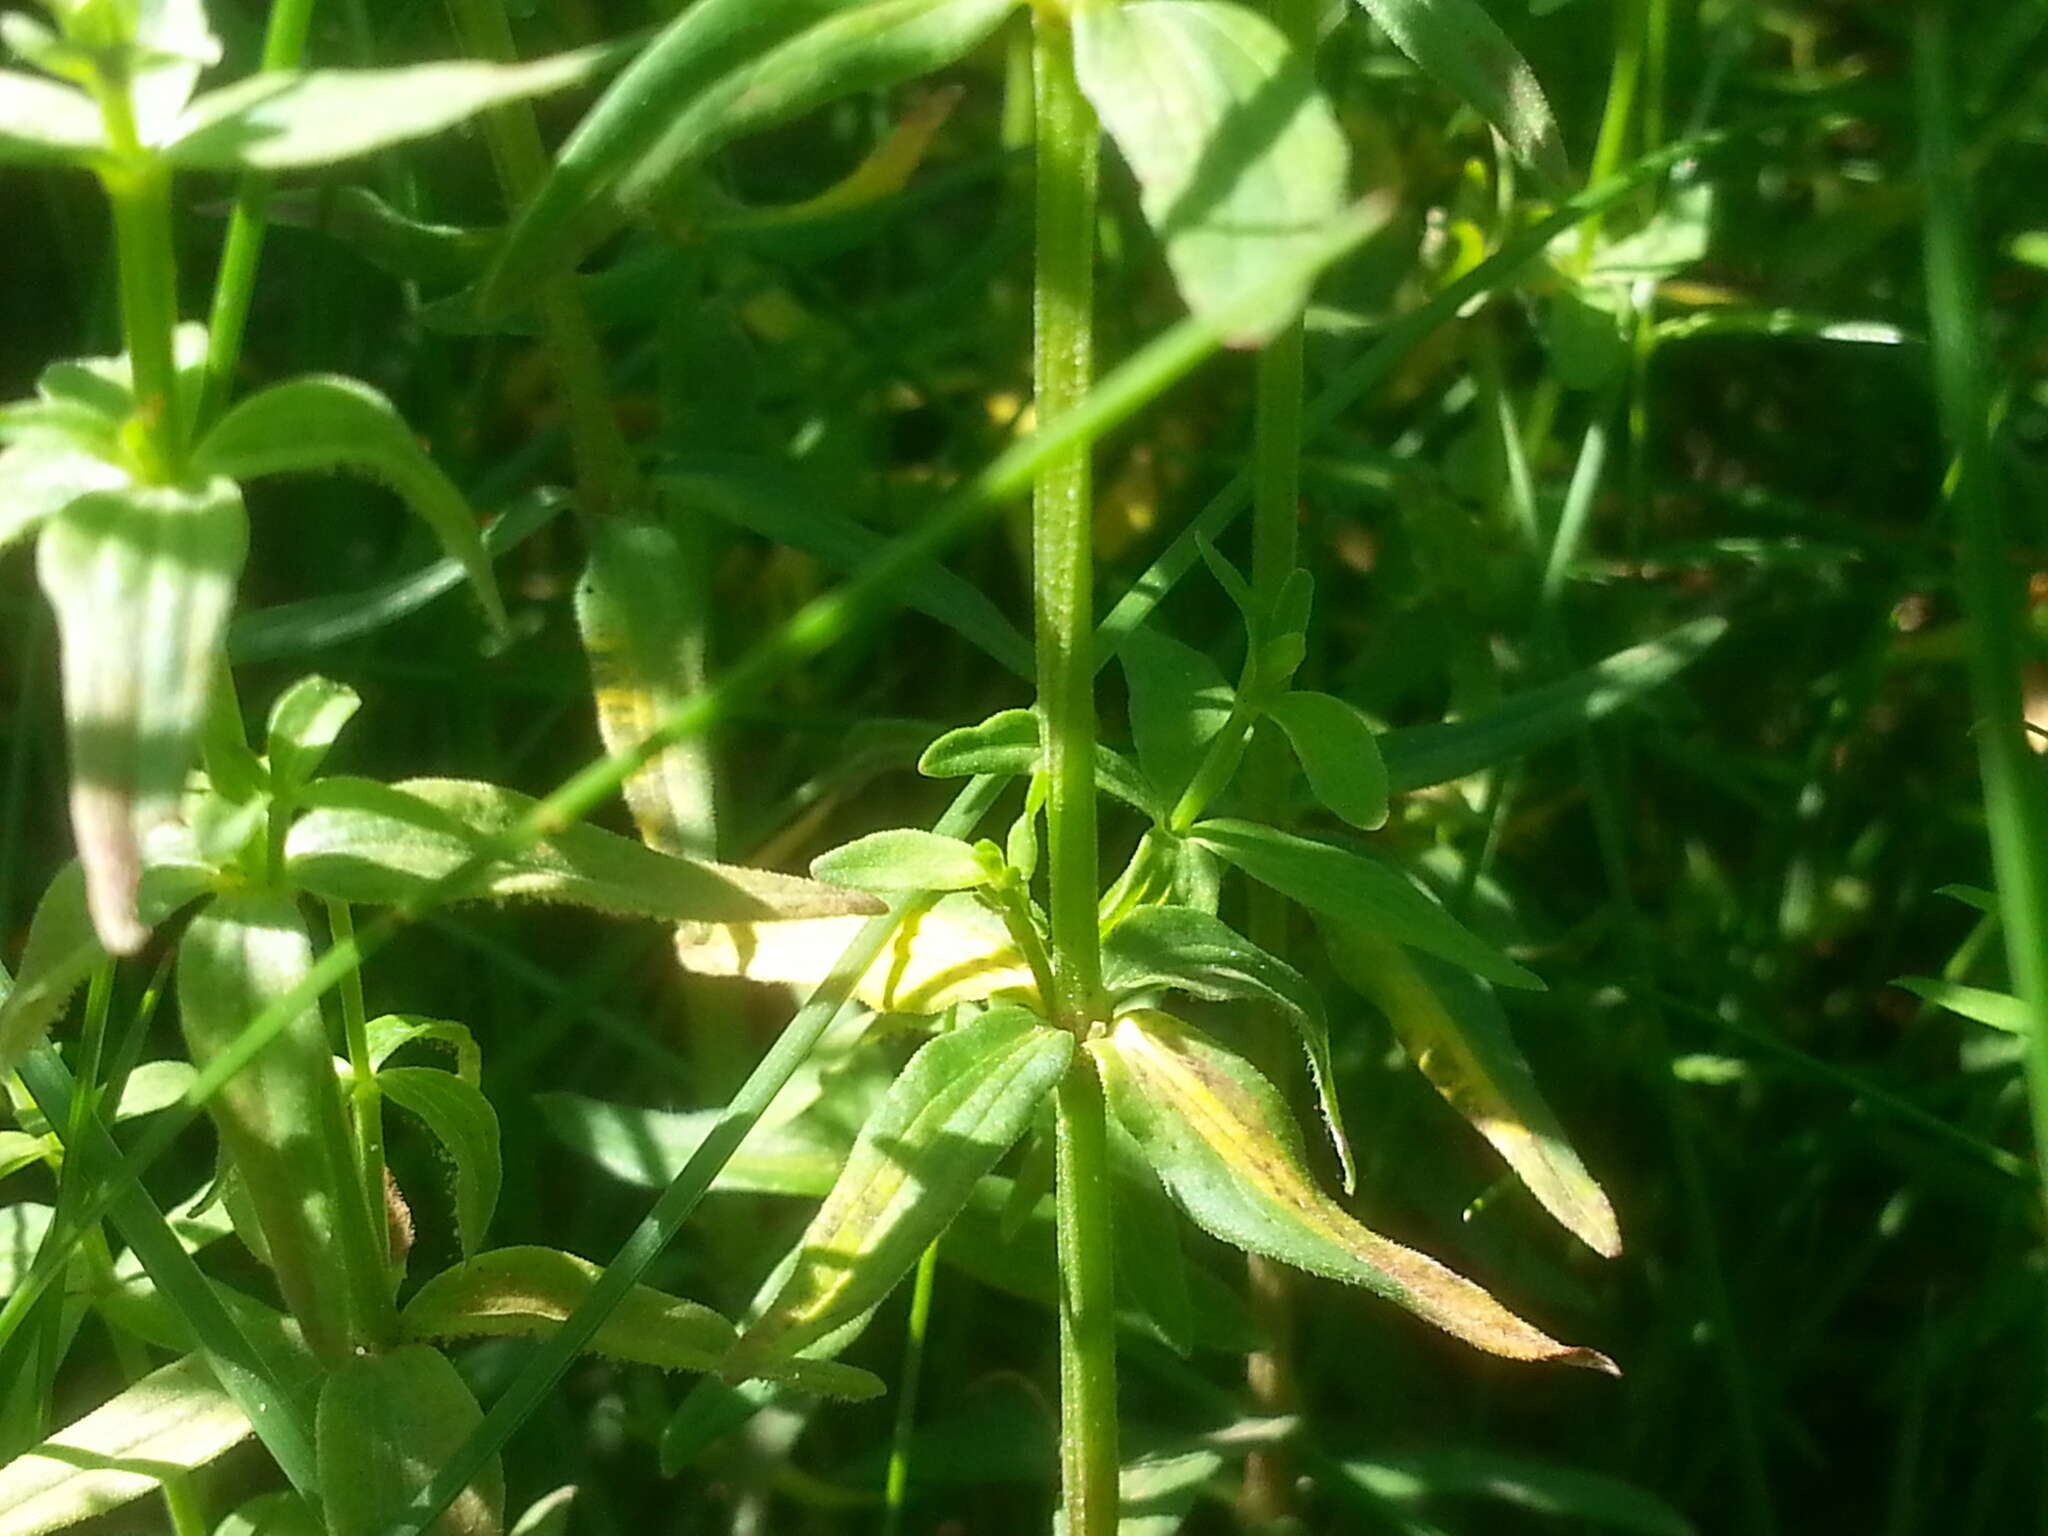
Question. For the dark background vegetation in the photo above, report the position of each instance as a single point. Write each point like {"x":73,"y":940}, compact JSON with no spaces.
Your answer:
{"x":1829,"y":1312}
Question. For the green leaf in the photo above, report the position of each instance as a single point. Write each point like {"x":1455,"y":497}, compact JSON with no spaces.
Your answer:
{"x":40,"y":477}
{"x":387,"y":1423}
{"x":1355,"y":889}
{"x":1454,"y":1031}
{"x":388,"y":1032}
{"x":383,"y":845}
{"x":466,"y":1126}
{"x":1196,"y":953}
{"x":647,"y":1147}
{"x":903,"y":860}
{"x":1240,"y":164}
{"x":1155,"y":1493}
{"x":19,"y":1150}
{"x":957,"y":1107}
{"x":722,"y":69}
{"x":174,"y":1419}
{"x":1457,"y":43}
{"x":1582,"y":1498}
{"x":272,"y":1514}
{"x":1980,"y":1005}
{"x":1151,"y":1266}
{"x":1179,"y":701}
{"x":1422,"y":755}
{"x":1338,"y":752}
{"x":141,"y":580}
{"x":1221,"y":1140}
{"x":434,"y":255}
{"x":1006,"y":744}
{"x":61,"y":952}
{"x":325,"y":422}
{"x":153,"y":1086}
{"x":281,"y":119}
{"x":42,"y":122}
{"x":23,"y":1224}
{"x":304,"y":723}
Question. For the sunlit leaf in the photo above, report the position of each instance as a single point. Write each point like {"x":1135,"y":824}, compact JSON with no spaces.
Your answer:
{"x":648,"y":1147}
{"x":1469,"y":55}
{"x":42,"y":121}
{"x":388,"y":1032}
{"x":1179,"y":701}
{"x":1222,"y":1141}
{"x":1155,"y":1493}
{"x":959,"y":1104}
{"x":1454,"y":1031}
{"x":174,"y":1419}
{"x":1353,"y":888}
{"x":141,"y":580}
{"x":23,"y":1224}
{"x":303,"y":726}
{"x":324,"y":422}
{"x":463,"y":1122}
{"x":1007,"y":743}
{"x":384,"y":844}
{"x":1980,"y":1005}
{"x":387,"y":1423}
{"x":40,"y":477}
{"x":955,"y":951}
{"x":1338,"y":752}
{"x":904,"y":859}
{"x":1240,"y":163}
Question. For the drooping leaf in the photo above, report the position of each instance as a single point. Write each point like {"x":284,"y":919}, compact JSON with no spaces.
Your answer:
{"x":174,"y":1419}
{"x":957,"y":1107}
{"x":527,"y":1292}
{"x":548,"y":1515}
{"x":285,"y":119}
{"x":1422,"y":755}
{"x":1007,"y":743}
{"x":141,"y":580}
{"x":1197,"y":953}
{"x":1453,"y":1029}
{"x":1240,"y":163}
{"x":956,"y":951}
{"x":303,"y":726}
{"x":463,"y":1122}
{"x":324,"y":422}
{"x":1980,"y":1005}
{"x":384,"y":844}
{"x":1355,"y":889}
{"x":903,"y":860}
{"x":43,"y":122}
{"x":722,"y":69}
{"x":1221,"y":1140}
{"x":1338,"y":752}
{"x":1461,"y":46}
{"x":1179,"y":701}
{"x":388,"y":1032}
{"x":387,"y":1423}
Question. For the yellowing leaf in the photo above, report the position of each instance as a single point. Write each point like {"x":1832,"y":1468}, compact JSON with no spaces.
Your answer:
{"x":1221,"y":1139}
{"x":952,"y":952}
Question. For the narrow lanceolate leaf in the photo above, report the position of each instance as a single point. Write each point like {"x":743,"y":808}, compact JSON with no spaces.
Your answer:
{"x":1007,"y":743}
{"x":280,"y":1117}
{"x":722,"y":69}
{"x":1194,"y":952}
{"x":957,"y":1107}
{"x":174,"y":1419}
{"x":42,"y":121}
{"x":386,"y":1424}
{"x":640,"y":608}
{"x":288,"y":119}
{"x":1981,"y":1005}
{"x":1355,"y":889}
{"x":527,"y":1292}
{"x":903,"y":859}
{"x":1338,"y":753}
{"x":1454,"y":1031}
{"x":463,"y":1122}
{"x":1221,"y":1140}
{"x":1240,"y":163}
{"x":384,"y":844}
{"x":954,"y":952}
{"x":1460,"y":45}
{"x":141,"y":580}
{"x":1179,"y":701}
{"x":324,"y":422}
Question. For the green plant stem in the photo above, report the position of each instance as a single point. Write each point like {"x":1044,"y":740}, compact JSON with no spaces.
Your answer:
{"x":234,"y":283}
{"x":1991,"y":580}
{"x":1081,"y":1214}
{"x":897,"y":1484}
{"x":1612,"y":143}
{"x":138,"y":186}
{"x":366,"y":1099}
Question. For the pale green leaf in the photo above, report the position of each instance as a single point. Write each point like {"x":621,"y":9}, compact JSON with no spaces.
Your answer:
{"x":384,"y":845}
{"x":903,"y":860}
{"x":43,"y":122}
{"x":1179,"y":701}
{"x":1453,"y":1029}
{"x":1221,"y":1139}
{"x":1338,"y":752}
{"x":153,"y":1086}
{"x":19,"y":1150}
{"x":324,"y":422}
{"x":1006,"y":743}
{"x":959,"y":1104}
{"x":1240,"y":164}
{"x":1461,"y":46}
{"x":41,"y":475}
{"x":387,"y":1423}
{"x":141,"y":580}
{"x":648,"y":1147}
{"x":22,"y":1226}
{"x":1980,"y":1005}
{"x":1155,"y":1493}
{"x":548,"y":1515}
{"x":1353,"y":888}
{"x":282,"y":119}
{"x":174,"y":1419}
{"x":463,"y":1122}
{"x":304,"y":723}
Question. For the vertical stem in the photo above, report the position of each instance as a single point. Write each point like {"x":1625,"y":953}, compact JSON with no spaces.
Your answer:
{"x":1063,"y":580}
{"x":138,"y":186}
{"x":366,"y":1099}
{"x":898,"y":1484}
{"x":1609,"y":148}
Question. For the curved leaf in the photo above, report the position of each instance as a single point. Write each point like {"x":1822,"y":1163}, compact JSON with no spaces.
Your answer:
{"x":42,"y":121}
{"x":1338,"y":752}
{"x":325,"y":422}
{"x":904,"y":859}
{"x":462,"y":1120}
{"x":1240,"y":163}
{"x":304,"y":723}
{"x":1221,"y":1140}
{"x":386,"y":1424}
{"x":1006,"y":743}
